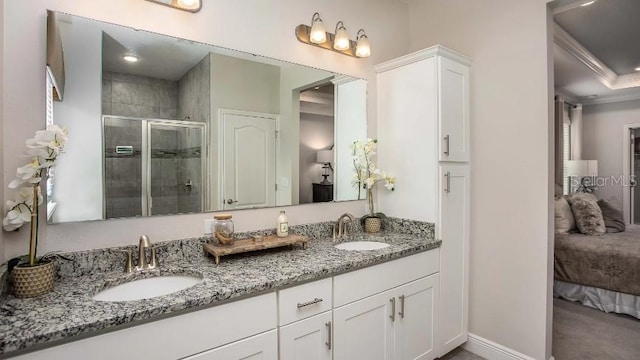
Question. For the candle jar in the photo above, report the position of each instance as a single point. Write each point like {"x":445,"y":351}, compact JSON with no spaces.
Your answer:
{"x":223,"y":229}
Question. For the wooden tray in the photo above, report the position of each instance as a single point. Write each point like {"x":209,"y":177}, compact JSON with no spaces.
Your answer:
{"x":247,"y":245}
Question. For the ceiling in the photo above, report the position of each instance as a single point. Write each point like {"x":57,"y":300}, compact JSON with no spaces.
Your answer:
{"x":160,"y":56}
{"x":596,"y":50}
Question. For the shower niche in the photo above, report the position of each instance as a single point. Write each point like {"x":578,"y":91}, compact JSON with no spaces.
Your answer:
{"x":153,"y":166}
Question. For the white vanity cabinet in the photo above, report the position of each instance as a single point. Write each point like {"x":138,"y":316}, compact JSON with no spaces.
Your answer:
{"x":385,"y":311}
{"x":398,"y":322}
{"x":424,"y":140}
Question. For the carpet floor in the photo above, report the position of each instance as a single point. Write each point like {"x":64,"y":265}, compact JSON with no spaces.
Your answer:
{"x":580,"y":332}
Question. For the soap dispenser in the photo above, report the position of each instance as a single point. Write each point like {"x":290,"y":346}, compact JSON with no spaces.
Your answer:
{"x":283,"y":225}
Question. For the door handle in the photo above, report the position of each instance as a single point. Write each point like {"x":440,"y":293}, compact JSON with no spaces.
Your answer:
{"x":230,"y":201}
{"x":401,"y":312}
{"x":446,"y":145}
{"x":447,"y":182}
{"x":393,"y":309}
{"x":328,"y":343}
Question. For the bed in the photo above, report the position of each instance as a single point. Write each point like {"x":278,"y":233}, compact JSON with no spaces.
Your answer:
{"x":602,"y":272}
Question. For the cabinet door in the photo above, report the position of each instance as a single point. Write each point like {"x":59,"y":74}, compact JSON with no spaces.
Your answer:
{"x":454,"y":256}
{"x":453,"y":110}
{"x":308,"y":339}
{"x":416,"y":319}
{"x":259,"y":347}
{"x":364,"y":329}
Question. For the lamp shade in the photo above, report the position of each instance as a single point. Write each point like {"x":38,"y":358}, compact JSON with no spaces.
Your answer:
{"x":582,"y":168}
{"x":318,"y":33}
{"x":324,"y":156}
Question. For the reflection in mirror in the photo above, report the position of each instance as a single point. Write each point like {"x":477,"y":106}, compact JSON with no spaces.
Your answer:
{"x":161,"y":125}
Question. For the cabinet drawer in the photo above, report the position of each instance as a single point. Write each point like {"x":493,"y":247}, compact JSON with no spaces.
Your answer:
{"x":375,"y":279}
{"x":306,"y":300}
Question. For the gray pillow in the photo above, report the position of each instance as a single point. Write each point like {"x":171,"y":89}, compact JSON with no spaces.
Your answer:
{"x":589,"y":220}
{"x":565,"y":222}
{"x":613,"y":218}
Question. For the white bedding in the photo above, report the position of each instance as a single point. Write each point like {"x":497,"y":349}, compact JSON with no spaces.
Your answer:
{"x":601,"y":299}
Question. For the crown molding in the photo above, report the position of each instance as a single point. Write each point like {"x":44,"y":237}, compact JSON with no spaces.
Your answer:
{"x":611,"y":99}
{"x":604,"y":74}
{"x":433,"y":51}
{"x":570,"y":6}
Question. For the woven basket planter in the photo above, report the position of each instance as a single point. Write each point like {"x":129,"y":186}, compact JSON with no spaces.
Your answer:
{"x":372,"y":225}
{"x":32,"y":281}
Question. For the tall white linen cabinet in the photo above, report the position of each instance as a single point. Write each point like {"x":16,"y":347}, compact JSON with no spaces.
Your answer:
{"x":423,"y":139}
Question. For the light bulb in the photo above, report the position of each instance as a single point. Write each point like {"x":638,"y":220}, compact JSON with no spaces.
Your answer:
{"x":188,"y":3}
{"x":341,"y":41}
{"x":363,"y":48}
{"x":318,"y":34}
{"x":130,"y":58}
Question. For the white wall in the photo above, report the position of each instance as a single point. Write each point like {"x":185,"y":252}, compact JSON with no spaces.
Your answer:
{"x":260,"y":27}
{"x":350,"y":124}
{"x":603,"y":127}
{"x":81,"y":163}
{"x":507,"y":41}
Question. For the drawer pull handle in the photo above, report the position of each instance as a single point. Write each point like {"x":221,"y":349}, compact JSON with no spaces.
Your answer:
{"x":393,"y":309}
{"x":401,"y":312}
{"x":328,"y":343}
{"x":314,"y":301}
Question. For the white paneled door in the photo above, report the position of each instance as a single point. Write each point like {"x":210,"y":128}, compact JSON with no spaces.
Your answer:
{"x":248,"y":163}
{"x":453,"y":110}
{"x":308,"y":339}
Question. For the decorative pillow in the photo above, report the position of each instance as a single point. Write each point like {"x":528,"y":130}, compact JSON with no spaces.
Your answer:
{"x":565,"y":222}
{"x":613,"y":218}
{"x":588,"y":215}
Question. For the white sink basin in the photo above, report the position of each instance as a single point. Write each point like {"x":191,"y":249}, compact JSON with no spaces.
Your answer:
{"x":362,"y":245}
{"x":147,"y":288}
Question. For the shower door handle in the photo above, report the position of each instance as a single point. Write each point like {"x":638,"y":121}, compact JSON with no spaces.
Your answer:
{"x":230,"y":201}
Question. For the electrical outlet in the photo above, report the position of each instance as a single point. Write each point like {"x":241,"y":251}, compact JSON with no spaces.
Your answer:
{"x":208,"y":223}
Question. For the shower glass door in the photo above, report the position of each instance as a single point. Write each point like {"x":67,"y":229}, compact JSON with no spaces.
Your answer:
{"x":153,"y":167}
{"x":175,"y":169}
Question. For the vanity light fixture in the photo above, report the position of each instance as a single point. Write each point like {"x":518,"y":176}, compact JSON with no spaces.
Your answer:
{"x":317,"y":35}
{"x":363,"y":49}
{"x":130,"y":58}
{"x":186,"y":5}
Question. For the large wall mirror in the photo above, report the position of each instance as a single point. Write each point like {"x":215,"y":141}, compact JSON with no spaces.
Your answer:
{"x":160,"y":125}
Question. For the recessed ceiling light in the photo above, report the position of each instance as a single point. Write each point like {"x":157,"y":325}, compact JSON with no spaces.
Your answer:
{"x":588,"y":3}
{"x":637,"y":69}
{"x":592,"y":96}
{"x":130,"y":58}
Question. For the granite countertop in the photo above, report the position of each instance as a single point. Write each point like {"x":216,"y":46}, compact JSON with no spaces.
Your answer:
{"x":70,"y":311}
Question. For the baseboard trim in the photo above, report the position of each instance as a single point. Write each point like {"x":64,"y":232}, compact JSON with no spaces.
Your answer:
{"x":491,"y":350}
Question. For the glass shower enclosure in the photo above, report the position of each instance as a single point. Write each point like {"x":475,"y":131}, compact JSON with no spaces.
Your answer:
{"x":153,"y":166}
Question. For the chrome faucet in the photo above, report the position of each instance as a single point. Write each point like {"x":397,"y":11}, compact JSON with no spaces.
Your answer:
{"x":143,"y":263}
{"x":340,"y":227}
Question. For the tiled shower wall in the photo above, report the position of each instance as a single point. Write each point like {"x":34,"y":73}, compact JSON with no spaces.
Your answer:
{"x":139,"y":96}
{"x":176,"y":158}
